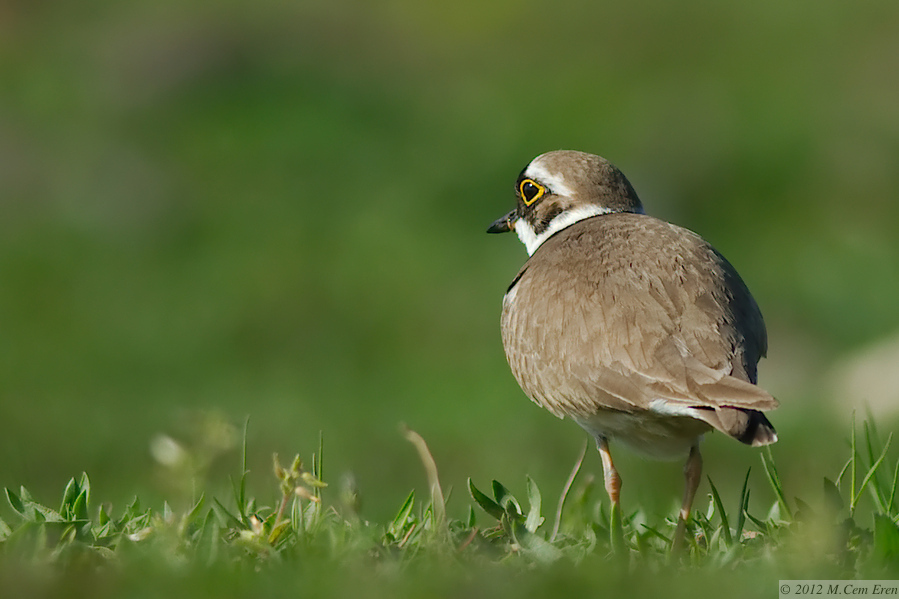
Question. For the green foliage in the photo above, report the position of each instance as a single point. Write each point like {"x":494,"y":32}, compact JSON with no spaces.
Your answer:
{"x":792,"y":540}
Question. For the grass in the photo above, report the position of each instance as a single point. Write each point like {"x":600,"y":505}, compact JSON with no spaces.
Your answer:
{"x":502,"y":542}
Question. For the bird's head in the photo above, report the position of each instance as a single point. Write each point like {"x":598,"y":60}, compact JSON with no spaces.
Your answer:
{"x":560,"y":188}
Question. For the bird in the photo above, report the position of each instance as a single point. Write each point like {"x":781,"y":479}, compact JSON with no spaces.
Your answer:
{"x":636,"y":329}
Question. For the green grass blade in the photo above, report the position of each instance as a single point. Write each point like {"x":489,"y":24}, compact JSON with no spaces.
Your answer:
{"x":655,"y":532}
{"x":832,"y":498}
{"x":79,"y":507}
{"x":194,"y":512}
{"x":853,"y":459}
{"x":68,"y":498}
{"x":505,"y":498}
{"x":207,"y":545}
{"x":744,"y":505}
{"x":534,"y":545}
{"x":402,"y":516}
{"x":19,"y":506}
{"x":297,"y":516}
{"x":567,"y":489}
{"x":719,"y":507}
{"x":708,"y":530}
{"x":244,"y":471}
{"x":317,"y":471}
{"x":85,"y":484}
{"x":762,"y":526}
{"x":774,"y":479}
{"x":485,"y":502}
{"x":239,"y":487}
{"x":874,"y":485}
{"x":843,"y":472}
{"x":886,"y":539}
{"x":891,"y":504}
{"x":869,"y":476}
{"x":534,"y":519}
{"x":226,"y":518}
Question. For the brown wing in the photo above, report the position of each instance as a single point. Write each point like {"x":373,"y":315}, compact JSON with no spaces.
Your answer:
{"x":624,"y":310}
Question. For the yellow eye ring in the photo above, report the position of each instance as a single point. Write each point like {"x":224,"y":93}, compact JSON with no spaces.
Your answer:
{"x":530,"y":191}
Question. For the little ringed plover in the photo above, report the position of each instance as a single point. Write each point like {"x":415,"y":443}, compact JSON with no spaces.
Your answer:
{"x":635,"y":328}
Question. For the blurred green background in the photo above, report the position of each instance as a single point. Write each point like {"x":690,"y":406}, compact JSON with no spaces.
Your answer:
{"x":277,"y":209}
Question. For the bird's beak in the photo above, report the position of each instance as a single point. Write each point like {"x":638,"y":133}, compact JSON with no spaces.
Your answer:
{"x":504,"y":224}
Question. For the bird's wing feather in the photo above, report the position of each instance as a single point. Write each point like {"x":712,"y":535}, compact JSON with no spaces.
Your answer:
{"x":605,"y":327}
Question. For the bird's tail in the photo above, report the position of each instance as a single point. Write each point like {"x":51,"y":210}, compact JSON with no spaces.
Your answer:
{"x":751,"y":427}
{"x":759,"y":430}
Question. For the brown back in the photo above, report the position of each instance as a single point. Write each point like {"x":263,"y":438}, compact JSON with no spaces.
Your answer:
{"x":624,"y":309}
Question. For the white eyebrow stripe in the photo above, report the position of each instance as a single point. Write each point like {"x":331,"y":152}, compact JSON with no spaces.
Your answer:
{"x":555,"y":184}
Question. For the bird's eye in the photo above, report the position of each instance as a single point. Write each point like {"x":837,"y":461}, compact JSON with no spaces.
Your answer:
{"x":531,"y":191}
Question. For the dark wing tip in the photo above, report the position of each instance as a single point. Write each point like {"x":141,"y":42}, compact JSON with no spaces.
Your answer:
{"x":759,"y":430}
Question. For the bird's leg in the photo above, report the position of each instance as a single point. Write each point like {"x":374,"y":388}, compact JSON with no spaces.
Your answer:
{"x":610,"y":475}
{"x":692,"y":476}
{"x":613,"y":488}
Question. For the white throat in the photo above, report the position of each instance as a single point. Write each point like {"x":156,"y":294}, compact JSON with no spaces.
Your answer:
{"x":532,"y":240}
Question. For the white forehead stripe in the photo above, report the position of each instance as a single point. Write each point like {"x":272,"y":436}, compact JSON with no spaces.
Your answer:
{"x":554,"y":182}
{"x":532,"y":240}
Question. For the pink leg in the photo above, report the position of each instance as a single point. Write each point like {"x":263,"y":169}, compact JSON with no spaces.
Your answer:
{"x":610,"y":475}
